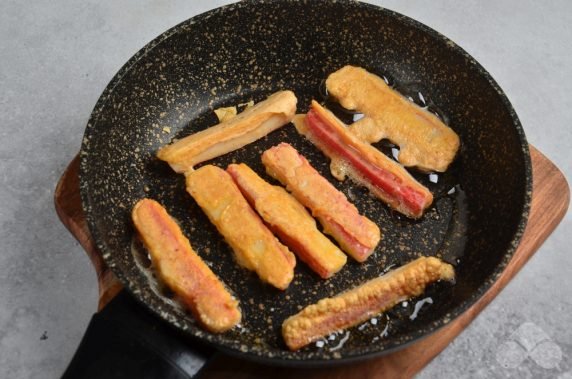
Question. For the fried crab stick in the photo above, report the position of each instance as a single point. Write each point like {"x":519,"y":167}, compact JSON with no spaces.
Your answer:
{"x":290,"y":221}
{"x":357,"y":235}
{"x":254,"y":246}
{"x":363,"y":163}
{"x":424,"y":140}
{"x":182,"y":270}
{"x":363,"y":302}
{"x":252,"y":124}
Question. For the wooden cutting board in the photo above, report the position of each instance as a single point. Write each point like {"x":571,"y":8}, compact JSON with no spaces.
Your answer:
{"x":550,"y":200}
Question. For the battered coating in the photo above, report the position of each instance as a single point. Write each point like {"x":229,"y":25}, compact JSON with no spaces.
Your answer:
{"x":425,"y":141}
{"x":255,"y":247}
{"x":357,"y":235}
{"x":253,"y":123}
{"x":363,"y":302}
{"x":290,"y":221}
{"x":363,"y":163}
{"x":182,"y":270}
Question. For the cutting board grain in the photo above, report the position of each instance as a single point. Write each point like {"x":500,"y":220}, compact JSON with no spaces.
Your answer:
{"x":550,"y":199}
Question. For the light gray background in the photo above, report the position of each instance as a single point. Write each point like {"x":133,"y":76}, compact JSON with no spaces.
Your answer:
{"x":57,"y":56}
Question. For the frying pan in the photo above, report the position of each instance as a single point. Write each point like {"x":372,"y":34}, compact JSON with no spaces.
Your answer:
{"x":248,"y":50}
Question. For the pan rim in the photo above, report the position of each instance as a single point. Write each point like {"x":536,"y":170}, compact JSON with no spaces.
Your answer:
{"x":287,"y":358}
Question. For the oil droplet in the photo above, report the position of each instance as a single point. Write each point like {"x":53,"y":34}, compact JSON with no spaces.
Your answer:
{"x":418,"y":306}
{"x":342,"y":342}
{"x":140,"y":254}
{"x":385,"y":330}
{"x":357,"y":116}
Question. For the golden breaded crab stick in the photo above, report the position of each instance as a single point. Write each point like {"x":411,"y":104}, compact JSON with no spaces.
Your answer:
{"x":363,"y":302}
{"x":252,"y":124}
{"x":357,"y":235}
{"x":424,"y":140}
{"x":182,"y":270}
{"x":289,"y":220}
{"x":254,"y":246}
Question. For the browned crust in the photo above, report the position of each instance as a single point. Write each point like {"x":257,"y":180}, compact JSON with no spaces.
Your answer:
{"x":182,"y":270}
{"x":363,"y":302}
{"x":356,"y":234}
{"x":255,"y":247}
{"x":290,"y":221}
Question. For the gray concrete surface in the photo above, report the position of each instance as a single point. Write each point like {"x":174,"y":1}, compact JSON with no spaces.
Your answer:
{"x":57,"y":56}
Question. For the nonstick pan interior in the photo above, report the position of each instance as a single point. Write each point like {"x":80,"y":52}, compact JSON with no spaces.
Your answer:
{"x":249,"y":50}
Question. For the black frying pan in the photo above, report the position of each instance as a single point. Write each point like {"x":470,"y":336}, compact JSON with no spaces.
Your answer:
{"x":249,"y":50}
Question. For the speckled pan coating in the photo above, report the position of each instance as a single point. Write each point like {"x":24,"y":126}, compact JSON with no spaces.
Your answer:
{"x":247,"y":51}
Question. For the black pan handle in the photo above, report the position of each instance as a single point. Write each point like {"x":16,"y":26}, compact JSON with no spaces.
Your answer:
{"x":124,"y":340}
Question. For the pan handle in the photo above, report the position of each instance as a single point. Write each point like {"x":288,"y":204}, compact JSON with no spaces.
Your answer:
{"x":124,"y":340}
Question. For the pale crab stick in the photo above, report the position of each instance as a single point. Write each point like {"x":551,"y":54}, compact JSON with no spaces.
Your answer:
{"x":252,"y":124}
